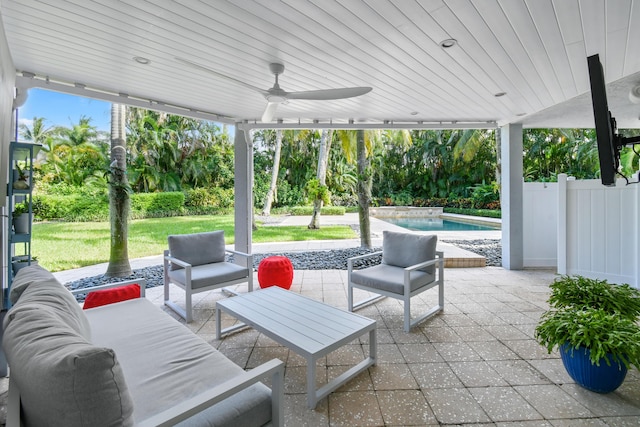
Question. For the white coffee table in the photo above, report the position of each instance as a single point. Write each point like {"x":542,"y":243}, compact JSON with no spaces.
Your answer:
{"x":309,"y":327}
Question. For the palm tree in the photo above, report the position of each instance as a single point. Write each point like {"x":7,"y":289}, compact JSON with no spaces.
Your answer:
{"x":118,"y":196}
{"x":360,"y":143}
{"x":273,"y":187}
{"x":38,"y":133}
{"x":323,"y":163}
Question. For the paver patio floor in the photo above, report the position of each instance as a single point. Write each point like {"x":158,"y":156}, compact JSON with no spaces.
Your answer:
{"x":477,"y":363}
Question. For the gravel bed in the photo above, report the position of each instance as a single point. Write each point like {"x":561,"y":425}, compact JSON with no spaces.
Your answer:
{"x":312,"y":260}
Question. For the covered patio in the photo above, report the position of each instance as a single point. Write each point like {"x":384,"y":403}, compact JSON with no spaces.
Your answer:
{"x":430,"y":64}
{"x":504,"y":64}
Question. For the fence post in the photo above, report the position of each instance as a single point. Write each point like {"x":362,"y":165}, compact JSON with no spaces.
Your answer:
{"x":562,"y":223}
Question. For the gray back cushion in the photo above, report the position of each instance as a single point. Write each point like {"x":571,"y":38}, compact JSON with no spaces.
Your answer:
{"x":406,"y":249}
{"x":198,"y":248}
{"x":63,"y":379}
{"x":36,"y":285}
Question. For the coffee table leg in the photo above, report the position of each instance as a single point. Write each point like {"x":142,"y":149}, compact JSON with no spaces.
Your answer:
{"x":373,"y":346}
{"x":218,"y":323}
{"x":312,"y":399}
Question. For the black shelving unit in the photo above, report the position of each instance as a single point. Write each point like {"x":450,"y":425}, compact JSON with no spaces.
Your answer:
{"x":19,"y":191}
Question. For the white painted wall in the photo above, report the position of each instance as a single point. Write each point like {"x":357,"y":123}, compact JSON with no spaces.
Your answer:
{"x":7,"y":127}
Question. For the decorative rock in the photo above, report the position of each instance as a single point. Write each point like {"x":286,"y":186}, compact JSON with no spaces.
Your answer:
{"x":335,"y":259}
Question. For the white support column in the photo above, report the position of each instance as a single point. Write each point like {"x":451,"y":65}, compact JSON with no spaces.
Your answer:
{"x":243,"y":189}
{"x":512,"y":199}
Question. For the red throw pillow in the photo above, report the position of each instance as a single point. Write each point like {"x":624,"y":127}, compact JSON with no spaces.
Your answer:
{"x":109,"y":296}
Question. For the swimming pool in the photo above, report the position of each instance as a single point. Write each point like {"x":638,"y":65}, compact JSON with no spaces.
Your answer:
{"x":437,"y":224}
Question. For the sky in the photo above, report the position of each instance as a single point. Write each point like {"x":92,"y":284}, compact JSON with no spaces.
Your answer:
{"x":59,"y":109}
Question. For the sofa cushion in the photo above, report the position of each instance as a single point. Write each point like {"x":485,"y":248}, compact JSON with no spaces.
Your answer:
{"x":109,"y":296}
{"x":165,"y":364}
{"x":405,"y":249}
{"x":36,"y":285}
{"x":197,"y":248}
{"x":62,"y":378}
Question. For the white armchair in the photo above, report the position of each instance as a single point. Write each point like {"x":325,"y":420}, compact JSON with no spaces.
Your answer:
{"x":408,"y":268}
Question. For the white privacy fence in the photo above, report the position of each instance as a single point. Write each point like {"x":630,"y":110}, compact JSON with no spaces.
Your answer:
{"x":583,"y":228}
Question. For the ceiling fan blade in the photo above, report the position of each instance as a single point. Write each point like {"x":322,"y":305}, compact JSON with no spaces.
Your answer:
{"x":328,"y":94}
{"x":215,"y":73}
{"x":269,"y":112}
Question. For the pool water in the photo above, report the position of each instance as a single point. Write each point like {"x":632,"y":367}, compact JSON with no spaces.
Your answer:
{"x":437,"y":224}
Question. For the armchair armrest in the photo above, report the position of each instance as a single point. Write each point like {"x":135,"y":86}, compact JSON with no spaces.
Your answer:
{"x":176,"y":261}
{"x":242,"y":254}
{"x":361,"y":257}
{"x":190,"y":407}
{"x":246,"y":256}
{"x":438,"y":259}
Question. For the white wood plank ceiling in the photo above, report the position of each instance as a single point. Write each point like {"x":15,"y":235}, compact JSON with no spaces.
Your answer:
{"x":533,"y":51}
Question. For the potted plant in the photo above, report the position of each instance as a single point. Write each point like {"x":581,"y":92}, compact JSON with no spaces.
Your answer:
{"x":594,"y":324}
{"x":21,"y":177}
{"x":21,"y":218}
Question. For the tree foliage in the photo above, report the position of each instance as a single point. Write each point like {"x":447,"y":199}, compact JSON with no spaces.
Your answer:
{"x":174,"y":153}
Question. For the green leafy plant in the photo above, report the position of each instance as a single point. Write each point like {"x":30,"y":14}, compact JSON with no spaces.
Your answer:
{"x":19,"y":209}
{"x":22,"y":171}
{"x":593,"y":314}
{"x":316,"y":191}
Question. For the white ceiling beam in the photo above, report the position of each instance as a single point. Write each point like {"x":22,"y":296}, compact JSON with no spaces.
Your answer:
{"x":28,"y":82}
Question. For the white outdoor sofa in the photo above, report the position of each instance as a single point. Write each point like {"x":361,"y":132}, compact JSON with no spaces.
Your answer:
{"x":122,"y":364}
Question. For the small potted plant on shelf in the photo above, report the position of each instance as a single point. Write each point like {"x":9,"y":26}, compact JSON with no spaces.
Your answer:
{"x":21,"y":218}
{"x":21,"y":177}
{"x":594,"y":324}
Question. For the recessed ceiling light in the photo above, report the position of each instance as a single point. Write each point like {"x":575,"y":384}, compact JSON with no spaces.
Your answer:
{"x":521,"y":114}
{"x":447,"y":43}
{"x":142,"y":60}
{"x":499,"y":94}
{"x":414,"y":113}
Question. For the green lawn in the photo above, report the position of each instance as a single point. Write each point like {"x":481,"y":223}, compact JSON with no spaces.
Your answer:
{"x":65,"y":245}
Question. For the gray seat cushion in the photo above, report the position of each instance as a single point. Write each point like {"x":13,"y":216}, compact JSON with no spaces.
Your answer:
{"x":174,"y":366}
{"x":203,"y":276}
{"x":406,"y":249}
{"x":390,"y":278}
{"x":197,"y":248}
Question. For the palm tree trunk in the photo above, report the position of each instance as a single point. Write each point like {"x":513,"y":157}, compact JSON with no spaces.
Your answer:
{"x":364,"y":190}
{"x":274,"y":175}
{"x":323,"y":162}
{"x":118,"y":196}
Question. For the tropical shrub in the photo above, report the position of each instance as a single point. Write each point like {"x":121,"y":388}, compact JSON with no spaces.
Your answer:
{"x":148,"y":205}
{"x":344,"y":199}
{"x":73,"y":207}
{"x":482,"y":194}
{"x":326,"y":210}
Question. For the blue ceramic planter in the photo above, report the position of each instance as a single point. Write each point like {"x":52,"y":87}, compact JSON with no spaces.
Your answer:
{"x":601,"y":379}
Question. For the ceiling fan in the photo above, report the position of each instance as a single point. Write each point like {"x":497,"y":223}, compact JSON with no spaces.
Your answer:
{"x":277,"y":95}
